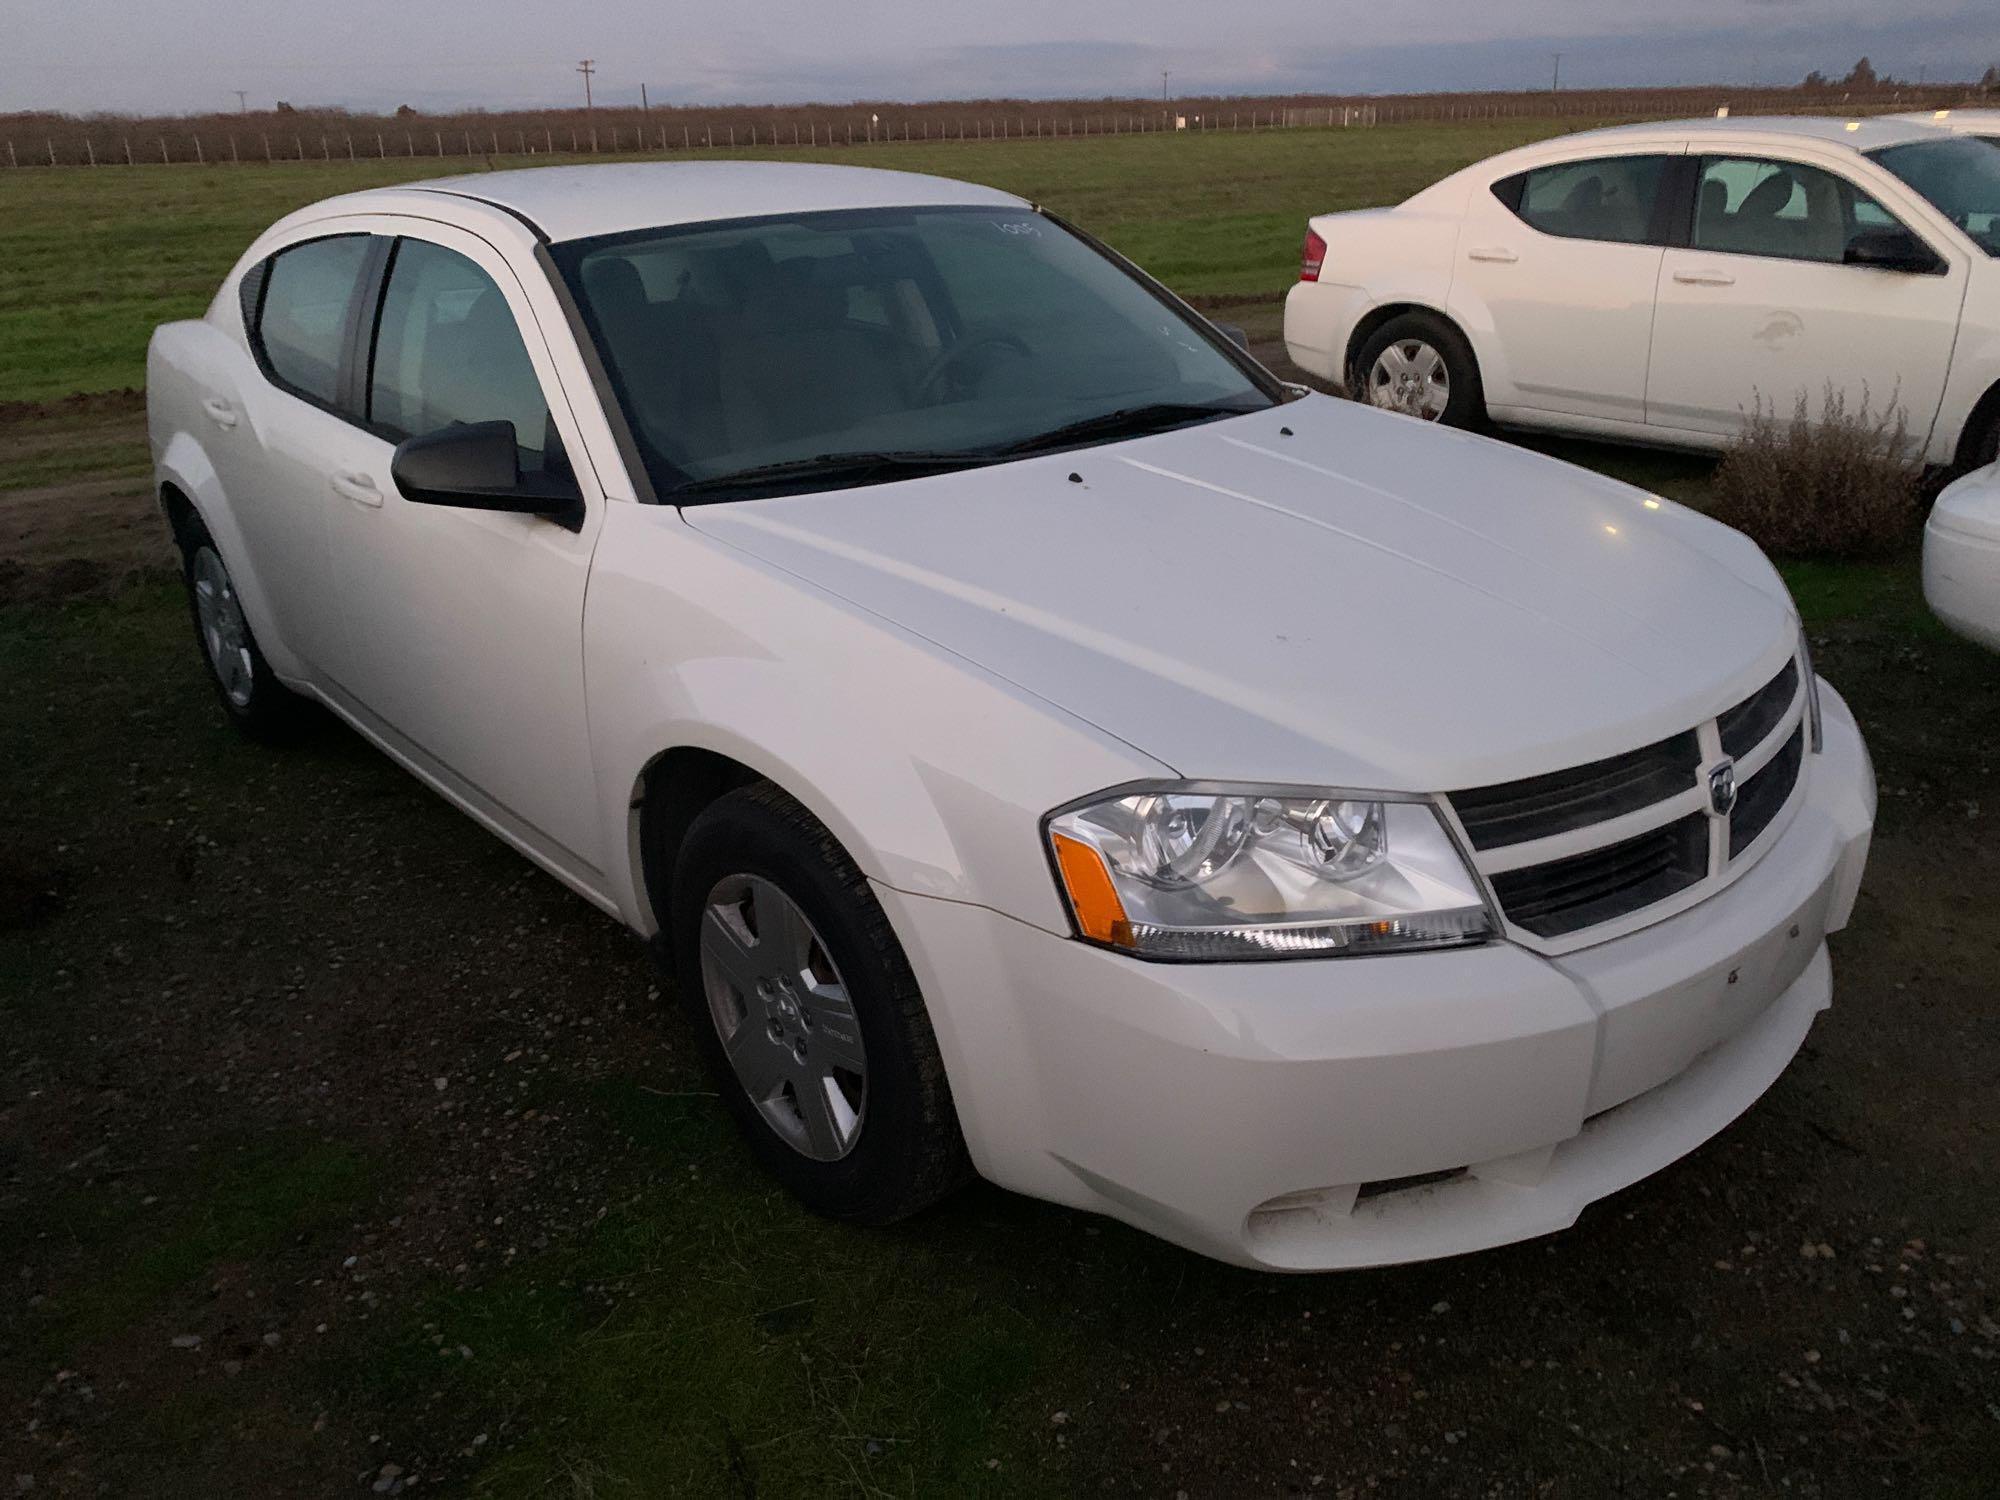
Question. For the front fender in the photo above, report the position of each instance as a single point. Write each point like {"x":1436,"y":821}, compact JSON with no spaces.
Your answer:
{"x":933,"y":774}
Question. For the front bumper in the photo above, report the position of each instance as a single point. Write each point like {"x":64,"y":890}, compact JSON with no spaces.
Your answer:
{"x":1265,"y":1114}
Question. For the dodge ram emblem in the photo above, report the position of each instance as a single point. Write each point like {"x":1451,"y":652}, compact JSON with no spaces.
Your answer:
{"x":1722,"y":788}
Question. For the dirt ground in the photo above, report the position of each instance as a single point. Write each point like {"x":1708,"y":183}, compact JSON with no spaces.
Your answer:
{"x":343,"y":1152}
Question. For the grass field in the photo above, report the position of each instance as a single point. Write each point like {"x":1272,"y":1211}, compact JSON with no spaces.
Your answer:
{"x":341,"y":1151}
{"x":96,"y":258}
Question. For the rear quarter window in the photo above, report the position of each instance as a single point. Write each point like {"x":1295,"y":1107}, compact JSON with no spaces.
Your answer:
{"x":1615,"y":199}
{"x":298,"y":326}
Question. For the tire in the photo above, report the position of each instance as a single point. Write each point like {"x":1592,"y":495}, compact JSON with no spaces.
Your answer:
{"x":1982,"y":447}
{"x":777,"y":1034}
{"x":256,"y":702}
{"x":1419,"y":364}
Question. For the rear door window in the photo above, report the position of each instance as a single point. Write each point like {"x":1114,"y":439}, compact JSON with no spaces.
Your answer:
{"x":1615,"y":199}
{"x":300,"y":327}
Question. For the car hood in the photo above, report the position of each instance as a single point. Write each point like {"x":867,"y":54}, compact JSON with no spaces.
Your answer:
{"x":1318,"y":594}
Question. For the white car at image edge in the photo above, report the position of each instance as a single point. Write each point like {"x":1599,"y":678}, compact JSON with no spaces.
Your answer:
{"x":1658,"y":283}
{"x":1962,"y":556}
{"x":1039,"y":742}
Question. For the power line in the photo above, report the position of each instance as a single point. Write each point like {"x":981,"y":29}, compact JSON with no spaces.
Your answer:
{"x":586,"y":68}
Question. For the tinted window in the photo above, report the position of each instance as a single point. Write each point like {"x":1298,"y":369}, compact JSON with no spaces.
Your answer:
{"x":1745,"y":206}
{"x":951,"y":335}
{"x":1960,"y":178}
{"x":303,"y":321}
{"x":447,"y":350}
{"x":1611,"y":198}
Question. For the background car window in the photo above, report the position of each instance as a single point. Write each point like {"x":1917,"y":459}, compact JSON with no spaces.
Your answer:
{"x":1960,"y":177}
{"x":1610,"y":198}
{"x":304,"y":318}
{"x":447,"y":350}
{"x":1746,"y":206}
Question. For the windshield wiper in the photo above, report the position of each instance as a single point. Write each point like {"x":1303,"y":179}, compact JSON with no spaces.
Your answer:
{"x":1127,"y":421}
{"x":852,"y":468}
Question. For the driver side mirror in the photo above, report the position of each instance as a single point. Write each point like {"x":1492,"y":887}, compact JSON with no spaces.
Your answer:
{"x":1893,"y":250}
{"x":1235,"y":334}
{"x":477,"y":466}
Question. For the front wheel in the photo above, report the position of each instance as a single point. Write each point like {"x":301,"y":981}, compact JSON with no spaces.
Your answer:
{"x":1420,"y":365}
{"x":809,"y":1016}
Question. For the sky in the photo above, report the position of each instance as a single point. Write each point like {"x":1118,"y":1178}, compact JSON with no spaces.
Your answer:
{"x":144,"y":56}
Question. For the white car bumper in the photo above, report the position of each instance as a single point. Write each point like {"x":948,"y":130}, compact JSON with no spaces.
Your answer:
{"x":1271,"y":1114}
{"x":1320,"y":318}
{"x":1962,"y":558}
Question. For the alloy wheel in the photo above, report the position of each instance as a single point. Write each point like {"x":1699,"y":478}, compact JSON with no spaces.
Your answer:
{"x":784,"y":1016}
{"x":1411,"y":376}
{"x":224,"y":635}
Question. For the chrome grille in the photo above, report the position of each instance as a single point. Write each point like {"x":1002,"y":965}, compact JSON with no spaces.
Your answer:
{"x":1762,"y":797}
{"x":1566,"y":895}
{"x":1572,"y":855}
{"x":1542,"y":806}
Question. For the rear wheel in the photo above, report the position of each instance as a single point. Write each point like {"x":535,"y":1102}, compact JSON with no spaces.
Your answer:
{"x":810,"y":1018}
{"x":256,"y":702}
{"x":1418,"y":364}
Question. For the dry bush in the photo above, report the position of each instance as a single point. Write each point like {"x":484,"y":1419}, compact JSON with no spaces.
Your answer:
{"x":1846,"y":484}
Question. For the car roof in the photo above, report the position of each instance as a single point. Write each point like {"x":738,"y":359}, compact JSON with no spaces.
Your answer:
{"x":567,"y":203}
{"x":1957,"y":119}
{"x":1853,"y":133}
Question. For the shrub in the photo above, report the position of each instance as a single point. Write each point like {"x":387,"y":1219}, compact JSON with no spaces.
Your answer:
{"x":1846,"y":485}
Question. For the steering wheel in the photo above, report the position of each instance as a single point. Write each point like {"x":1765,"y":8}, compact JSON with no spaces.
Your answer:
{"x":931,"y":381}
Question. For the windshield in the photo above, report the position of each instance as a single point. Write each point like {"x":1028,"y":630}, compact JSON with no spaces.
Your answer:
{"x":1960,"y":177}
{"x":781,"y":355}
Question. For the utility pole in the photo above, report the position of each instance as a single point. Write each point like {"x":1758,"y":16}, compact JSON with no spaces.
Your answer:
{"x":1163,"y":85}
{"x":242,"y":100}
{"x":644,"y":107}
{"x":586,"y":68}
{"x":1556,"y":87}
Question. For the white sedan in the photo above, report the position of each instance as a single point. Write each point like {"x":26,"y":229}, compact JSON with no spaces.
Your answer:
{"x":1038,"y":741}
{"x":1656,"y":283}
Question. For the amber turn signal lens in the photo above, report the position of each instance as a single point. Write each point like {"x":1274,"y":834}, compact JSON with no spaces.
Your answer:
{"x":1100,"y":915}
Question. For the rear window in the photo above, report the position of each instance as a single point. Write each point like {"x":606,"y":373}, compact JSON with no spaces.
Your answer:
{"x":300,"y":322}
{"x":1610,"y":198}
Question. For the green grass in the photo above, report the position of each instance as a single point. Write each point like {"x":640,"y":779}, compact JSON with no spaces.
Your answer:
{"x":96,"y":257}
{"x":241,"y":1200}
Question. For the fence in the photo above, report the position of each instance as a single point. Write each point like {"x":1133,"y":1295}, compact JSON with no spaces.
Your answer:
{"x":334,"y":137}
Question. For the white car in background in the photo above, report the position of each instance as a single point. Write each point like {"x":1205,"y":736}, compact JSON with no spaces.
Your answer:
{"x":1962,"y":557}
{"x":1656,"y":283}
{"x":1984,"y":123}
{"x":1040,"y":741}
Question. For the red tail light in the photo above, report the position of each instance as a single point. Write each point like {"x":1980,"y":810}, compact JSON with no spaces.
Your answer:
{"x":1312,"y":257}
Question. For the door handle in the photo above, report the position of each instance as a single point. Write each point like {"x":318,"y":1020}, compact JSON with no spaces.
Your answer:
{"x":1704,"y":278}
{"x":357,"y":487}
{"x":220,"y":412}
{"x":1498,"y":255}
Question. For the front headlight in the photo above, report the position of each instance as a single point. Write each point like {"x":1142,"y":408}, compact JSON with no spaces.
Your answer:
{"x":1186,"y":871}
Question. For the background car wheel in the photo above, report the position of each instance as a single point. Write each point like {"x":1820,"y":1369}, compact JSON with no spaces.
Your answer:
{"x":1984,"y":446}
{"x":256,"y":702}
{"x":1419,"y":364}
{"x":810,"y":1018}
